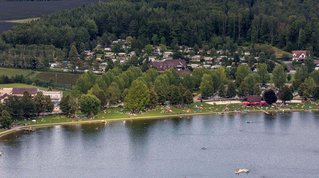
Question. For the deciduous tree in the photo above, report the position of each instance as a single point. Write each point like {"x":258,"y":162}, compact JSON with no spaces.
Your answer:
{"x":89,"y":104}
{"x":138,"y":97}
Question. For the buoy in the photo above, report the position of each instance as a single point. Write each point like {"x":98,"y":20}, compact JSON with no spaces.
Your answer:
{"x":0,"y":153}
{"x":241,"y":170}
{"x":124,"y":122}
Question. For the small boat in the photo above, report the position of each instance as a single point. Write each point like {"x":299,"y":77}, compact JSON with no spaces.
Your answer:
{"x":204,"y":148}
{"x":241,"y":170}
{"x":249,"y":122}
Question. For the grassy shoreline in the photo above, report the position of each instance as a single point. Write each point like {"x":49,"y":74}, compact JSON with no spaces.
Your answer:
{"x":118,"y":114}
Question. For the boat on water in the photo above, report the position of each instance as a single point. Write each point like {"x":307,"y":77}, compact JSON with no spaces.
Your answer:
{"x":241,"y":170}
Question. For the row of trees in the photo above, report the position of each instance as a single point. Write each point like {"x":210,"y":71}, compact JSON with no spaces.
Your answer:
{"x":30,"y":56}
{"x":23,"y":107}
{"x":139,"y":91}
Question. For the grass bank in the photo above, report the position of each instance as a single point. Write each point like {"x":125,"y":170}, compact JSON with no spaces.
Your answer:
{"x":119,"y":114}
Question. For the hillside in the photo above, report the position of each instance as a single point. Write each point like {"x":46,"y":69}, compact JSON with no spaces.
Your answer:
{"x":286,"y":24}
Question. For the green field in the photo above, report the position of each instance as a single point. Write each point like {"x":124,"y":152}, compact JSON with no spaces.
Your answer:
{"x":59,"y":78}
{"x":10,"y":72}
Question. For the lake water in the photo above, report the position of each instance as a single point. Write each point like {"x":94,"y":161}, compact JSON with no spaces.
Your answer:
{"x":280,"y":146}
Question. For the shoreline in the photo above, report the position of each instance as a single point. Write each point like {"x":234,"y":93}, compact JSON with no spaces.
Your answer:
{"x":37,"y":126}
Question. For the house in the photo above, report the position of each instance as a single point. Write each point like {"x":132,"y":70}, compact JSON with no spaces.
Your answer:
{"x":21,"y":91}
{"x":109,"y":54}
{"x":108,"y":49}
{"x":246,"y":53}
{"x":167,"y":54}
{"x":299,"y":55}
{"x":152,"y":58}
{"x":54,"y":65}
{"x":208,"y":60}
{"x":88,"y":53}
{"x":3,"y":97}
{"x":216,"y":66}
{"x":162,"y":66}
{"x":157,"y":51}
{"x":55,"y":96}
{"x":193,"y":65}
{"x":196,"y":58}
{"x":253,"y":100}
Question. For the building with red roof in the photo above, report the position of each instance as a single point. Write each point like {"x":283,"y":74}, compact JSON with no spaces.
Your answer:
{"x":299,"y":55}
{"x":161,"y":66}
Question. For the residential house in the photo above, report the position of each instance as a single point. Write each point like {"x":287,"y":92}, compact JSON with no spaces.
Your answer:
{"x":167,"y":54}
{"x":21,"y":91}
{"x":55,"y":96}
{"x":109,"y":54}
{"x":196,"y":58}
{"x":108,"y":49}
{"x":299,"y":55}
{"x":164,"y":65}
{"x":208,"y":60}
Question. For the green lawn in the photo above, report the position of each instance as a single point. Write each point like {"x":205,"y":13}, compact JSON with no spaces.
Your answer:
{"x":10,"y":72}
{"x":20,"y":85}
{"x":160,"y":111}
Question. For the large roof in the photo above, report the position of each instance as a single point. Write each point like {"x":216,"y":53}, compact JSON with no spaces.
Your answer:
{"x":168,"y":64}
{"x":20,"y":91}
{"x":252,"y":99}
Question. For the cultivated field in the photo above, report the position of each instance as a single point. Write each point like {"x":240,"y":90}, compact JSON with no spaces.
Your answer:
{"x":58,"y":78}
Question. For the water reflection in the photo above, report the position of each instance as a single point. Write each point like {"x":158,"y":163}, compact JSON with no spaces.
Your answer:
{"x":138,"y":133}
{"x":285,"y":121}
{"x":271,"y":145}
{"x":269,"y":120}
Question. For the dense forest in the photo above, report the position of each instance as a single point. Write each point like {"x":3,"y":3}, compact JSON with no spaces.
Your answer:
{"x":287,"y":24}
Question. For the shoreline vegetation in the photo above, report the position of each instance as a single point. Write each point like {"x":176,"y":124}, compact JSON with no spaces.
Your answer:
{"x":119,"y":114}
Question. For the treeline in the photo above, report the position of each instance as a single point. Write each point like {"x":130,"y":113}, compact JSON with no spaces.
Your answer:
{"x":139,"y":91}
{"x":287,"y":24}
{"x":4,"y":79}
{"x":30,"y":56}
{"x":23,"y":107}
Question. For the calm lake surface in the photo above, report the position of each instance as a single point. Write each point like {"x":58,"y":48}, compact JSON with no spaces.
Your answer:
{"x":284,"y":145}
